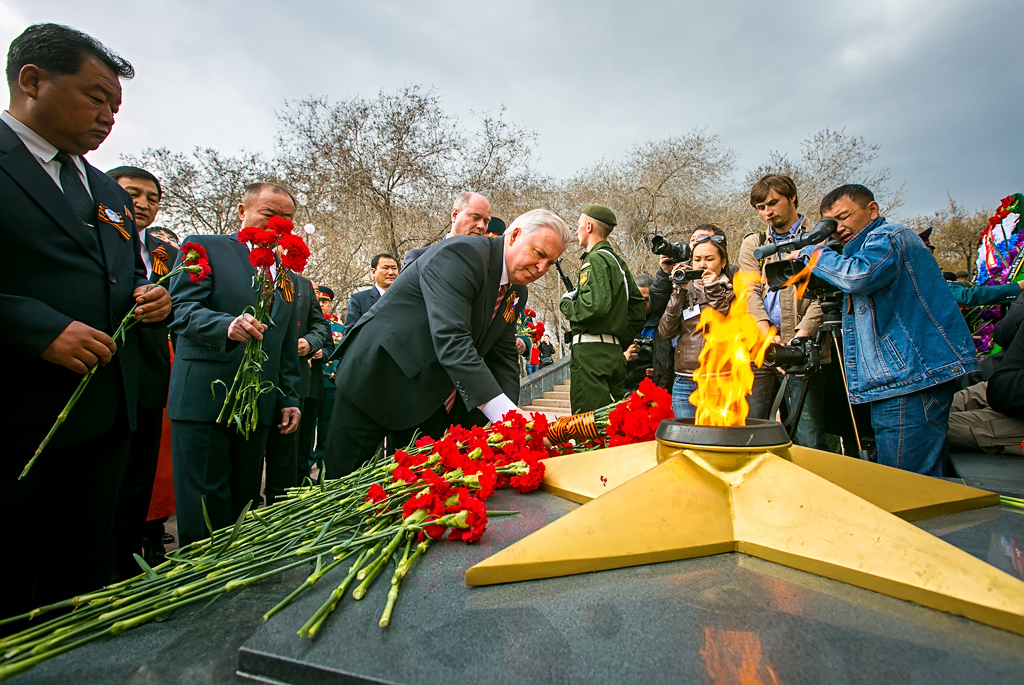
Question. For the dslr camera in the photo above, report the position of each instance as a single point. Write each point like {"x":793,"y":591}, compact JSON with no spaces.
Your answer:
{"x":677,"y":252}
{"x":801,"y":356}
{"x":646,"y":353}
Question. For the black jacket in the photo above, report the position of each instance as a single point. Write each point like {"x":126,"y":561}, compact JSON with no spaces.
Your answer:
{"x":432,"y":330}
{"x":359,"y":303}
{"x":57,"y":270}
{"x":154,"y":353}
{"x":314,"y":328}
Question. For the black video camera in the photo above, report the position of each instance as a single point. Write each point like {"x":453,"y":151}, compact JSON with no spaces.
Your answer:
{"x":821,"y":232}
{"x":778,"y":274}
{"x":801,"y":356}
{"x":677,"y":252}
{"x":682,"y":276}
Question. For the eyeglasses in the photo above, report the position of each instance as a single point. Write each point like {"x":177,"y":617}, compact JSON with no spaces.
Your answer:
{"x":717,"y":239}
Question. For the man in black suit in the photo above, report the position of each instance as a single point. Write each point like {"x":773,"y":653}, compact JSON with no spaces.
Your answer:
{"x":383,"y":272}
{"x":284,"y":466}
{"x":471,"y":213}
{"x":214,"y":460}
{"x":73,"y":271}
{"x":444,"y":332}
{"x":154,"y":378}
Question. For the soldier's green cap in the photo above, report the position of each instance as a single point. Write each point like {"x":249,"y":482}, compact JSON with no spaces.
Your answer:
{"x":601,"y":213}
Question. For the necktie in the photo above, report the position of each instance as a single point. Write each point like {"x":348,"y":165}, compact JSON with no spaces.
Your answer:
{"x":502,"y":291}
{"x":74,"y":189}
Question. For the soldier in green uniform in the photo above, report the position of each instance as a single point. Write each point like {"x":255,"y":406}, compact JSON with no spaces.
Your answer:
{"x":605,"y":311}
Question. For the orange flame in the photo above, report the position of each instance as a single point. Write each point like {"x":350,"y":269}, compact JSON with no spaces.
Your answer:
{"x":735,"y":657}
{"x":802,"y":278}
{"x":731,"y":343}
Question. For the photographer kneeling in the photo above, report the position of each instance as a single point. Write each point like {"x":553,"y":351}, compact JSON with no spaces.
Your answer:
{"x":904,"y":339}
{"x":704,"y":286}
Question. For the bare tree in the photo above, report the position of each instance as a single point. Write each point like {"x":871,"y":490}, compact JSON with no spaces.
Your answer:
{"x":955,"y":235}
{"x":201,"y":191}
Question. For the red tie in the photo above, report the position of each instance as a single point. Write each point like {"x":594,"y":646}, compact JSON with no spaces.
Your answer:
{"x":502,"y":291}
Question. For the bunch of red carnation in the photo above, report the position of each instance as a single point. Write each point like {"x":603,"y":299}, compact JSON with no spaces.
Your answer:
{"x":264,"y":241}
{"x":441,"y":485}
{"x":195,"y":261}
{"x":1003,"y":211}
{"x":637,"y":418}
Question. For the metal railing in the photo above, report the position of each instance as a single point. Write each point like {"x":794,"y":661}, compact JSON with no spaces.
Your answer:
{"x":535,"y":385}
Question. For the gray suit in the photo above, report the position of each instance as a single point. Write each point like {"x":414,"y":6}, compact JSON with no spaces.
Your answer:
{"x":431,"y":332}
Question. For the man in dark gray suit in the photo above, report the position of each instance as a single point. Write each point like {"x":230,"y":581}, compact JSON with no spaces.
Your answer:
{"x":383,"y":272}
{"x":214,"y":460}
{"x":73,"y":269}
{"x":471,"y":212}
{"x":441,"y":341}
{"x":154,"y":378}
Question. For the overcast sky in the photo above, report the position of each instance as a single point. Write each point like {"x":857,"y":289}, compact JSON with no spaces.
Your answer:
{"x":938,"y":84}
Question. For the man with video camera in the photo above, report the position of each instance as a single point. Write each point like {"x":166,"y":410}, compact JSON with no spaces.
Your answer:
{"x":775,"y":198}
{"x":904,"y":340}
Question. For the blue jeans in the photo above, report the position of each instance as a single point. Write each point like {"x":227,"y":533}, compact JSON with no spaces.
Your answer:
{"x":532,"y":368}
{"x":910,"y":430}
{"x":810,"y":430}
{"x":682,"y":388}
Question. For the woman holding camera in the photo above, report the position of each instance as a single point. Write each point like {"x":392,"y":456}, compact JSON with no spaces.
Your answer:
{"x":705,"y":285}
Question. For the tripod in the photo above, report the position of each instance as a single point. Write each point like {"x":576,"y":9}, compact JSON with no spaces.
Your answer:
{"x":831,"y":323}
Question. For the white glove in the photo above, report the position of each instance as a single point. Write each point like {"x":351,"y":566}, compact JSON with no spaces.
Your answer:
{"x":571,"y":295}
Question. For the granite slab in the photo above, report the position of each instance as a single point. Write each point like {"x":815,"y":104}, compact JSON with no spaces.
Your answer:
{"x":716,"y":619}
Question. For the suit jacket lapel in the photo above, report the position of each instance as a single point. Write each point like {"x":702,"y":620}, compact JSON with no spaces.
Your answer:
{"x":110,"y":237}
{"x":37,"y":184}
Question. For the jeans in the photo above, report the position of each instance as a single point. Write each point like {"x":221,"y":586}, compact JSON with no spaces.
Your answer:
{"x":810,"y":430}
{"x":910,"y":430}
{"x":532,"y":368}
{"x":682,"y":388}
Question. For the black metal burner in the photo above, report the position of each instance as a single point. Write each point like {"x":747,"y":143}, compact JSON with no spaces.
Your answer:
{"x":756,"y":433}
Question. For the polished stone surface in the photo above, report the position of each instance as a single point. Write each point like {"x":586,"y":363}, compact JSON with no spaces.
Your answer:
{"x":701,"y":620}
{"x":1001,"y":473}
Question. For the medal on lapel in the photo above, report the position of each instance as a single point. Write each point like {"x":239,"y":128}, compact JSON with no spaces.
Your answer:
{"x":109,"y":216}
{"x":510,"y":308}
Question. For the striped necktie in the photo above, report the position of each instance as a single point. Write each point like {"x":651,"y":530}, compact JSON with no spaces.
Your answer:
{"x":502,"y":291}
{"x":74,"y":189}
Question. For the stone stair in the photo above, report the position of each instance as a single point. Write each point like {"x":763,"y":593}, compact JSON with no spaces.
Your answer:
{"x":553,"y":404}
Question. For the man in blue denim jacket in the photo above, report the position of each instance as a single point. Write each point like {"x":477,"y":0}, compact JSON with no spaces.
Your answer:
{"x":904,"y":339}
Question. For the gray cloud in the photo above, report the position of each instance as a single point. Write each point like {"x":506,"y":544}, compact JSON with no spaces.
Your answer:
{"x":937,"y":84}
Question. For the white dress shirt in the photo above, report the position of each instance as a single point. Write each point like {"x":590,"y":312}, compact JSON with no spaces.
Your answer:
{"x":495,"y":408}
{"x":44,"y":152}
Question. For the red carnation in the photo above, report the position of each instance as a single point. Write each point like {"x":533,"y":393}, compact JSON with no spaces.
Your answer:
{"x":476,"y":519}
{"x":280,"y":225}
{"x":261,"y":256}
{"x":196,"y":261}
{"x":257,"y":236}
{"x":376,"y":494}
{"x":295,"y":252}
{"x":531,"y":480}
{"x":404,"y":474}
